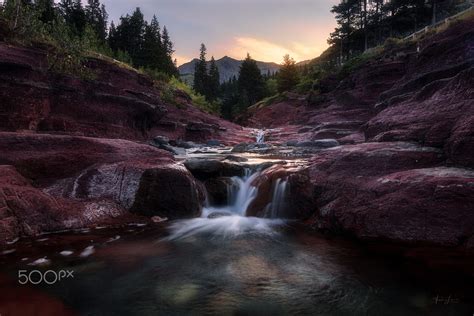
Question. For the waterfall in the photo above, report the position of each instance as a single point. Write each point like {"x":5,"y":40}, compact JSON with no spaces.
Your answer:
{"x":230,"y":220}
{"x":240,"y":194}
{"x":260,"y":139}
{"x":277,"y":205}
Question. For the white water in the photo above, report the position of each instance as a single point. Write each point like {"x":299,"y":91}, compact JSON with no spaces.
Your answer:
{"x":241,"y":193}
{"x":260,"y":137}
{"x":277,"y":205}
{"x":230,"y":220}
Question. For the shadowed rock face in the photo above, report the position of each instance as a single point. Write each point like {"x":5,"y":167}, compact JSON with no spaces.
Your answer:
{"x":117,"y":103}
{"x":169,"y":192}
{"x":393,"y":191}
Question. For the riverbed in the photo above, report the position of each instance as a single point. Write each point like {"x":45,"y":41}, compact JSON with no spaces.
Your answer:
{"x":139,"y":270}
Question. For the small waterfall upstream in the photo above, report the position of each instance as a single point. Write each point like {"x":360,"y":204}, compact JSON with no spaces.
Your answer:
{"x":260,"y":138}
{"x":231,"y":220}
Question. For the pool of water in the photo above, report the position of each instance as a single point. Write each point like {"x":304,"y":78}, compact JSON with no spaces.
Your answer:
{"x":287,"y":271}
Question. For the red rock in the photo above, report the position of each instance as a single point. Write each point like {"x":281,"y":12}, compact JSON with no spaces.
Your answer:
{"x":82,"y":181}
{"x":118,"y":103}
{"x":27,"y":211}
{"x":299,"y":198}
{"x":395,"y":192}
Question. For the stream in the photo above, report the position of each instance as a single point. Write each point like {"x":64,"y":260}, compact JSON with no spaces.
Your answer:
{"x":224,"y":263}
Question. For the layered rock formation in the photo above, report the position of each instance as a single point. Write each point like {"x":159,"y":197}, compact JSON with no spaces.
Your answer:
{"x":115,"y":102}
{"x":79,"y":181}
{"x":405,"y":122}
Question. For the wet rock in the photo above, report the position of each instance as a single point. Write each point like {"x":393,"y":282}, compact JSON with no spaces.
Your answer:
{"x":213,"y":143}
{"x":168,"y":192}
{"x":292,"y":143}
{"x":320,"y":143}
{"x":161,"y":140}
{"x":158,"y":219}
{"x":218,"y":214}
{"x":208,"y":168}
{"x":247,"y":147}
{"x":28,"y":211}
{"x":217,"y":190}
{"x":173,"y":150}
{"x":298,"y":202}
{"x":236,"y":158}
{"x":240,"y":148}
{"x":186,"y":145}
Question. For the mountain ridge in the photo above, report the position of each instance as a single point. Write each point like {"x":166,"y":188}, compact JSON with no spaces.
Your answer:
{"x":228,"y":67}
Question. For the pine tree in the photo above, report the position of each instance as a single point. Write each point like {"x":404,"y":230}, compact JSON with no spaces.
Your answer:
{"x":74,"y":16}
{"x":250,"y":82}
{"x":214,"y":81}
{"x":167,"y":44}
{"x":288,"y":76}
{"x":152,"y":52}
{"x":47,"y":10}
{"x":200,"y":72}
{"x":97,"y":16}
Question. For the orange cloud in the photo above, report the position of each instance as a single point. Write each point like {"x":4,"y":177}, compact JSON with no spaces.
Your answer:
{"x":264,"y":50}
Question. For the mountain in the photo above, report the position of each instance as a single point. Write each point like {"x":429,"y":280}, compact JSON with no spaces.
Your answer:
{"x":228,"y":67}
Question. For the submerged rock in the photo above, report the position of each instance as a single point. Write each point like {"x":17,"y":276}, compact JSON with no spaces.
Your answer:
{"x":218,"y":214}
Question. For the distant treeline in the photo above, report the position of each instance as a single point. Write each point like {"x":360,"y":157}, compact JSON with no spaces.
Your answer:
{"x":75,"y":27}
{"x":234,"y":96}
{"x":367,"y":23}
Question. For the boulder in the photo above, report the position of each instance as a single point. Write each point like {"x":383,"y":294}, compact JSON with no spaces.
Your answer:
{"x":210,"y":168}
{"x":168,"y":192}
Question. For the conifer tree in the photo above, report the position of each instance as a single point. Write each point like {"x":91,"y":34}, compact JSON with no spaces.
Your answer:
{"x":200,"y":72}
{"x":214,"y":81}
{"x":288,"y":76}
{"x":250,"y":82}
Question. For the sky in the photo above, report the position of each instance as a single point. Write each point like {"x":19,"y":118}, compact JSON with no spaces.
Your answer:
{"x":266,"y":29}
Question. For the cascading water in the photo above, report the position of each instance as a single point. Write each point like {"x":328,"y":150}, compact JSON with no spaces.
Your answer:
{"x":230,"y":220}
{"x":276,"y":207}
{"x":240,"y":194}
{"x":260,"y":139}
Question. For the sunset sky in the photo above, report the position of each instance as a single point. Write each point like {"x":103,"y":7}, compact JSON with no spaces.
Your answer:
{"x":267,"y":29}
